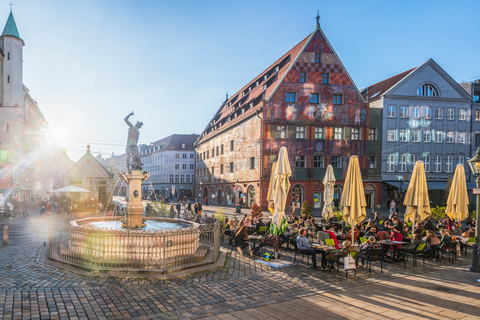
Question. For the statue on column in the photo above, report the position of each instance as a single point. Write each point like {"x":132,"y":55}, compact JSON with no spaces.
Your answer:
{"x":134,"y":161}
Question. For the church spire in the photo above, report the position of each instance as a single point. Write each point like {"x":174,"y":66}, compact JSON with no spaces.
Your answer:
{"x":10,"y":27}
{"x":318,"y":19}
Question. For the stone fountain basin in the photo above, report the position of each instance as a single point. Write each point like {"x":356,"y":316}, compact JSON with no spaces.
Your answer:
{"x":88,"y":241}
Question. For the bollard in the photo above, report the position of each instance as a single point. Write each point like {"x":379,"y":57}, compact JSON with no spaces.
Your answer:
{"x":5,"y":235}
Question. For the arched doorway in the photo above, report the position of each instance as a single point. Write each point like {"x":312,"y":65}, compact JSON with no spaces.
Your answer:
{"x":238,"y":193}
{"x":228,"y":196}
{"x":370,"y":197}
{"x":298,"y":195}
{"x":337,"y":195}
{"x":219,"y":196}
{"x":251,"y":195}
{"x":212,"y":195}
{"x":205,"y":193}
{"x":199,"y":193}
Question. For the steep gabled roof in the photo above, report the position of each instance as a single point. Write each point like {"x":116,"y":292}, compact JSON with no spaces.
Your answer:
{"x":89,"y":167}
{"x":174,"y":142}
{"x":10,"y":27}
{"x":252,"y":94}
{"x":375,"y":91}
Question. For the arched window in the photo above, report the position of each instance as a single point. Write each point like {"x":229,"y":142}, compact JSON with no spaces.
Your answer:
{"x":427,"y":90}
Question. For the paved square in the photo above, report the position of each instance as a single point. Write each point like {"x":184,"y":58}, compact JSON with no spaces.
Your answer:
{"x":30,"y":288}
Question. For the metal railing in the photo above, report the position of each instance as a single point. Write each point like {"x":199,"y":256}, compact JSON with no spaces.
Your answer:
{"x":135,"y":250}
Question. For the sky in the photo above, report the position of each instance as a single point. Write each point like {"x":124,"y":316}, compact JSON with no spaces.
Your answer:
{"x":90,"y":63}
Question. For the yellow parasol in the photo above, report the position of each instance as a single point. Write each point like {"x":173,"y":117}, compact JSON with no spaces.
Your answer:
{"x":457,"y":202}
{"x":270,"y":198}
{"x":329,"y":183}
{"x":353,"y":196}
{"x":416,"y":198}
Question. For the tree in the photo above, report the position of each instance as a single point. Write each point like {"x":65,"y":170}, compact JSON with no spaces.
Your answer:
{"x":256,"y":210}
{"x":306,"y":209}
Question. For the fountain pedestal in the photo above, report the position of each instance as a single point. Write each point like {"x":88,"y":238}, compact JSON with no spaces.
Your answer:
{"x":134,"y":216}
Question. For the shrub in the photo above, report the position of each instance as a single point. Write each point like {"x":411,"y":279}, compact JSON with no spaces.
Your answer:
{"x":306,"y":209}
{"x":437,"y":213}
{"x":220,"y":216}
{"x":159,"y":209}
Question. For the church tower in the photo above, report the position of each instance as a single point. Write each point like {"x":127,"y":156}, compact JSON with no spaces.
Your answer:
{"x":12,"y":65}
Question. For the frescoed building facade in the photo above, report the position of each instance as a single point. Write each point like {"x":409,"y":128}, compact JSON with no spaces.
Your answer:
{"x":426,"y":116}
{"x":305,"y":101}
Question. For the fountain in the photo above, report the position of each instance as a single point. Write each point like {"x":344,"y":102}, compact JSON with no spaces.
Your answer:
{"x":134,"y":243}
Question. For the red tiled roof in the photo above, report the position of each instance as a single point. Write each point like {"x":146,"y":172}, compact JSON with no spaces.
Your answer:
{"x":375,"y":91}
{"x":255,"y":95}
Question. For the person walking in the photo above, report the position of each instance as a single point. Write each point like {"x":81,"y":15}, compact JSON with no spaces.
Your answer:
{"x":392,"y":206}
{"x":206,"y":201}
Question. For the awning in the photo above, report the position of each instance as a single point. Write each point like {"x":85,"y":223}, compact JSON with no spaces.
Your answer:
{"x":431,"y":185}
{"x":396,"y":184}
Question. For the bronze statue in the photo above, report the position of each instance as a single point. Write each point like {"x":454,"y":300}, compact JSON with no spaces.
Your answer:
{"x":134,"y":161}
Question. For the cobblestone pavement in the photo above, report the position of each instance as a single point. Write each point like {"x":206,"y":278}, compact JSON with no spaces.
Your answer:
{"x":245,"y":289}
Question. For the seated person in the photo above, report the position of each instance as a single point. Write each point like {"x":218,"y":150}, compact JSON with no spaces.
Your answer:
{"x":405,"y":234}
{"x":334,"y":256}
{"x":292,"y":218}
{"x":301,"y":223}
{"x":304,"y":247}
{"x":396,"y":235}
{"x":248,"y":222}
{"x":377,"y":218}
{"x":270,"y":240}
{"x":332,"y":235}
{"x":356,"y":234}
{"x":419,"y":228}
{"x":369,"y":226}
{"x":433,"y":241}
{"x":417,"y":239}
{"x":428,"y":225}
{"x":372,"y":233}
{"x":457,"y":229}
{"x":241,"y":237}
{"x":371,"y":244}
{"x":446,"y":238}
{"x":387,"y":226}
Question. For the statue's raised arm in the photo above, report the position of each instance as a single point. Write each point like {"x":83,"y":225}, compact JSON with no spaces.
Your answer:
{"x":128,"y":122}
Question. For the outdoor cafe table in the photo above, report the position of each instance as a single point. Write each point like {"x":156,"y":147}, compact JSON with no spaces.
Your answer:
{"x":390,"y":243}
{"x":255,"y":238}
{"x":322,"y":250}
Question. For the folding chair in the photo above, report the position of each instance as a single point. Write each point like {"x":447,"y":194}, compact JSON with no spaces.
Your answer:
{"x":451,"y":249}
{"x":262,"y":231}
{"x":330,"y":242}
{"x":409,"y":250}
{"x":363,"y":239}
{"x":420,"y":251}
{"x":470,"y":240}
{"x":375,"y":255}
{"x":293,"y":242}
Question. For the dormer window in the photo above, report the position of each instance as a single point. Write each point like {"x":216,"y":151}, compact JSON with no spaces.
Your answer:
{"x":235,"y":115}
{"x":243,"y":94}
{"x":256,"y":84}
{"x":251,"y":105}
{"x":249,"y":89}
{"x":427,"y":90}
{"x":243,"y":111}
{"x":264,"y":87}
{"x":265,"y":77}
{"x":277,"y":69}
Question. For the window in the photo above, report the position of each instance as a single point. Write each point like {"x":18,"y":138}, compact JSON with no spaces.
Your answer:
{"x":221,"y":149}
{"x":355,"y":134}
{"x":372,"y":134}
{"x":303,"y":77}
{"x":313,"y":97}
{"x":415,"y":112}
{"x":252,"y":163}
{"x":477,"y":140}
{"x":438,"y":164}
{"x":282,"y":132}
{"x":392,"y":113}
{"x":477,"y":115}
{"x":318,"y":161}
{"x":8,"y":79}
{"x":184,"y":156}
{"x":439,"y":114}
{"x":414,"y":160}
{"x":208,"y":154}
{"x":338,"y":133}
{"x":461,"y":137}
{"x":461,"y":114}
{"x":192,"y":155}
{"x":182,"y":178}
{"x":300,"y":132}
{"x":336,"y":162}
{"x":171,"y":178}
{"x":299,"y":161}
{"x":427,"y":136}
{"x":427,"y":90}
{"x":438,"y":136}
{"x":177,"y":166}
{"x":449,"y":164}
{"x":184,"y":167}
{"x":416,"y":136}
{"x":391,"y":135}
{"x":372,"y":162}
{"x":403,"y":112}
{"x":337,"y":99}
{"x":318,"y":133}
{"x":290,"y":97}
{"x":391,"y":163}
{"x":403,"y":163}
{"x":450,"y":137}
{"x":317,"y":57}
{"x":402,"y":135}
{"x":191,"y":167}
{"x":213,"y":171}
{"x":426,"y":162}
{"x":177,"y":178}
{"x":450,"y":114}
{"x":232,"y":145}
{"x":188,"y":178}
{"x":221,"y":169}
{"x":216,"y":151}
{"x":461,"y":159}
{"x":325,"y":78}
{"x":428,"y":113}
{"x":232,"y":168}
{"x":177,"y":156}
{"x":8,"y":56}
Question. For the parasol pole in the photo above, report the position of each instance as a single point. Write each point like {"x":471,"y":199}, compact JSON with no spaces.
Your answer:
{"x":276,"y":249}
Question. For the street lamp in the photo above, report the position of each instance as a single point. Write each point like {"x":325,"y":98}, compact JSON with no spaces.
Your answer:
{"x":400,"y":184}
{"x":474,"y":164}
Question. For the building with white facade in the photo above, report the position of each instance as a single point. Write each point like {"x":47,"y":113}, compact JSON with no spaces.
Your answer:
{"x":171,"y":164}
{"x":426,"y":115}
{"x":31,"y":163}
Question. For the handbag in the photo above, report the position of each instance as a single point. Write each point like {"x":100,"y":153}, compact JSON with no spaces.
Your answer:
{"x":349,"y":262}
